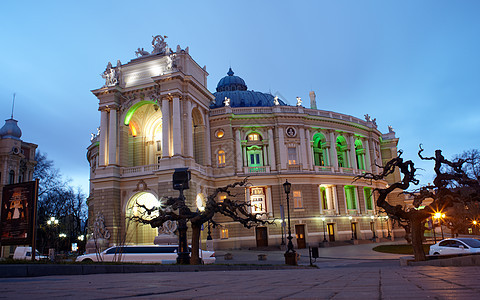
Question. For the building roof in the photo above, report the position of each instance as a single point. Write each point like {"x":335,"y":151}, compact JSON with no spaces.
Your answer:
{"x":10,"y":130}
{"x":235,"y":89}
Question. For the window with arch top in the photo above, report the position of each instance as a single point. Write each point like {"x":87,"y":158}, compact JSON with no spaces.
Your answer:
{"x":342,"y":152}
{"x":319,"y":150}
{"x":255,"y":151}
{"x":221,"y":158}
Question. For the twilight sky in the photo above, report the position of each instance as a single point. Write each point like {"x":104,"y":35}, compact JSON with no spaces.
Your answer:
{"x":411,"y":64}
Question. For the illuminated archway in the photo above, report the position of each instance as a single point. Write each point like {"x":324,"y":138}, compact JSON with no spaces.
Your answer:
{"x":320,"y":150}
{"x":137,"y":233}
{"x":198,"y":136}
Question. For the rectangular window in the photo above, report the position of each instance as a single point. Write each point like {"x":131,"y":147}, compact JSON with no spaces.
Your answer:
{"x":221,"y":158}
{"x":159,"y":146}
{"x":350,"y":197}
{"x":292,"y":156}
{"x":297,"y":199}
{"x":257,"y":200}
{"x":224,"y":233}
{"x":323,"y":195}
{"x":367,"y":192}
{"x":221,"y":198}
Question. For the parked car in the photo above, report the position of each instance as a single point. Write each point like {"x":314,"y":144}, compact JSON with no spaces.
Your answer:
{"x":26,"y":253}
{"x":164,"y":254}
{"x":455,"y":246}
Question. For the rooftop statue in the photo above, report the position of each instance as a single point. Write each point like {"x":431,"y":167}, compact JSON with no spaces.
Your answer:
{"x":110,"y":75}
{"x":299,"y":101}
{"x":159,"y":45}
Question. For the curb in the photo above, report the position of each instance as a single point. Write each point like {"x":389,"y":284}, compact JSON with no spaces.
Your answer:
{"x":34,"y":270}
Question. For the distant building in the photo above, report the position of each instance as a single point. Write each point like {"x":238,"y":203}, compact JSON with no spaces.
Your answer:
{"x":17,"y":161}
{"x":157,"y":115}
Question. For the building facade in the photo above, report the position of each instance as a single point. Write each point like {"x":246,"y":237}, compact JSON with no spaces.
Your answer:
{"x":157,"y":115}
{"x":17,"y":162}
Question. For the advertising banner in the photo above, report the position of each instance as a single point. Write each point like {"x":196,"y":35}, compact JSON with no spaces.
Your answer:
{"x":18,"y":213}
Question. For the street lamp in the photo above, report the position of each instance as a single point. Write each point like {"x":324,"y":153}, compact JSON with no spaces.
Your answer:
{"x":474,"y":222}
{"x":52,"y":222}
{"x":324,"y":232}
{"x":373,"y":227}
{"x":290,"y":255}
{"x":439,"y":216}
{"x":351,"y":226}
{"x":388,"y":228}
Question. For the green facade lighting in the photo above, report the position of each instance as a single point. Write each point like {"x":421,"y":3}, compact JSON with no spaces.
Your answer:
{"x":134,"y":108}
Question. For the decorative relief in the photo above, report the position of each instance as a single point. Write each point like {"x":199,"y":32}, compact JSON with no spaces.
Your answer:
{"x":141,"y":186}
{"x":100,"y":231}
{"x":111,"y":75}
{"x":290,"y":132}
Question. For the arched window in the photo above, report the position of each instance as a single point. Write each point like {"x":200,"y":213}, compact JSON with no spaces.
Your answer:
{"x":360,"y":153}
{"x":350,"y":197}
{"x":319,"y":150}
{"x":138,"y":233}
{"x":367,"y":193}
{"x":11,"y":177}
{"x":254,"y":150}
{"x":342,"y":152}
{"x":221,"y":158}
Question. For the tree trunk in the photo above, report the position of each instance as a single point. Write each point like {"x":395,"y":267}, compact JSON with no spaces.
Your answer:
{"x":195,"y":259}
{"x":417,"y":239}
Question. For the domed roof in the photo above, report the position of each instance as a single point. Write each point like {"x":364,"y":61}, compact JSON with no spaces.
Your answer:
{"x":231,"y":83}
{"x":10,"y":130}
{"x":235,"y":89}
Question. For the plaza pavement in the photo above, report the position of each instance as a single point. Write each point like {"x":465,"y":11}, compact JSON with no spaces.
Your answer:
{"x":347,"y":272}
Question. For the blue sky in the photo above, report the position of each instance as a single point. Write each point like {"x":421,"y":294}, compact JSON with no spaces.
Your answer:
{"x":410,"y":64}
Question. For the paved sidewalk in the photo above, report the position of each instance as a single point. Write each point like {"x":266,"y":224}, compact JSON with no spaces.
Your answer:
{"x":393,"y":282}
{"x":329,"y":256}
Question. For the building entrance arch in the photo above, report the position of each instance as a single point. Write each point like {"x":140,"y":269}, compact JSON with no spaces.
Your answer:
{"x":137,"y":233}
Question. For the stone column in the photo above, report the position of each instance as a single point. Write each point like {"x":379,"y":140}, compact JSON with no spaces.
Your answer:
{"x":303,"y":148}
{"x":353,"y":158}
{"x":208,"y":145}
{"x":112,"y":137}
{"x":269,"y":202}
{"x":333,"y":150}
{"x":309,"y":149}
{"x":271,"y":150}
{"x":368,"y":163}
{"x":165,"y":128}
{"x":103,"y":138}
{"x":238,"y":149}
{"x":282,"y":149}
{"x":188,"y":131}
{"x":176,"y":126}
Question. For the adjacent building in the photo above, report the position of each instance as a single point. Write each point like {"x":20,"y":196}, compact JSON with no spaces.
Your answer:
{"x":17,"y":162}
{"x":157,"y":115}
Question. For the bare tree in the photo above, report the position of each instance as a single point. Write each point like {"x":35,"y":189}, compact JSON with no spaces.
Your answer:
{"x":238,"y":211}
{"x":440,"y":194}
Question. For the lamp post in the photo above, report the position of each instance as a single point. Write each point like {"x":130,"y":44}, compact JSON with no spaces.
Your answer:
{"x":52,"y":222}
{"x":290,"y":255}
{"x":180,"y":179}
{"x":474,"y":222}
{"x":324,"y":232}
{"x":388,"y":228}
{"x":351,"y":226}
{"x":373,"y":227}
{"x":439,"y":216}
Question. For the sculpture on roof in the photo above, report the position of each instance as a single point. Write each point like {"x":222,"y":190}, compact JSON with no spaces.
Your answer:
{"x":299,"y":101}
{"x":226,"y":101}
{"x":390,"y":129}
{"x":159,"y":45}
{"x":275,"y":100}
{"x":110,"y":75}
{"x":141,"y":52}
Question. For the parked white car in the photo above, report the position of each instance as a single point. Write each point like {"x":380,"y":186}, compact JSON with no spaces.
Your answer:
{"x":164,"y":254}
{"x":25,"y":253}
{"x":455,"y":246}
